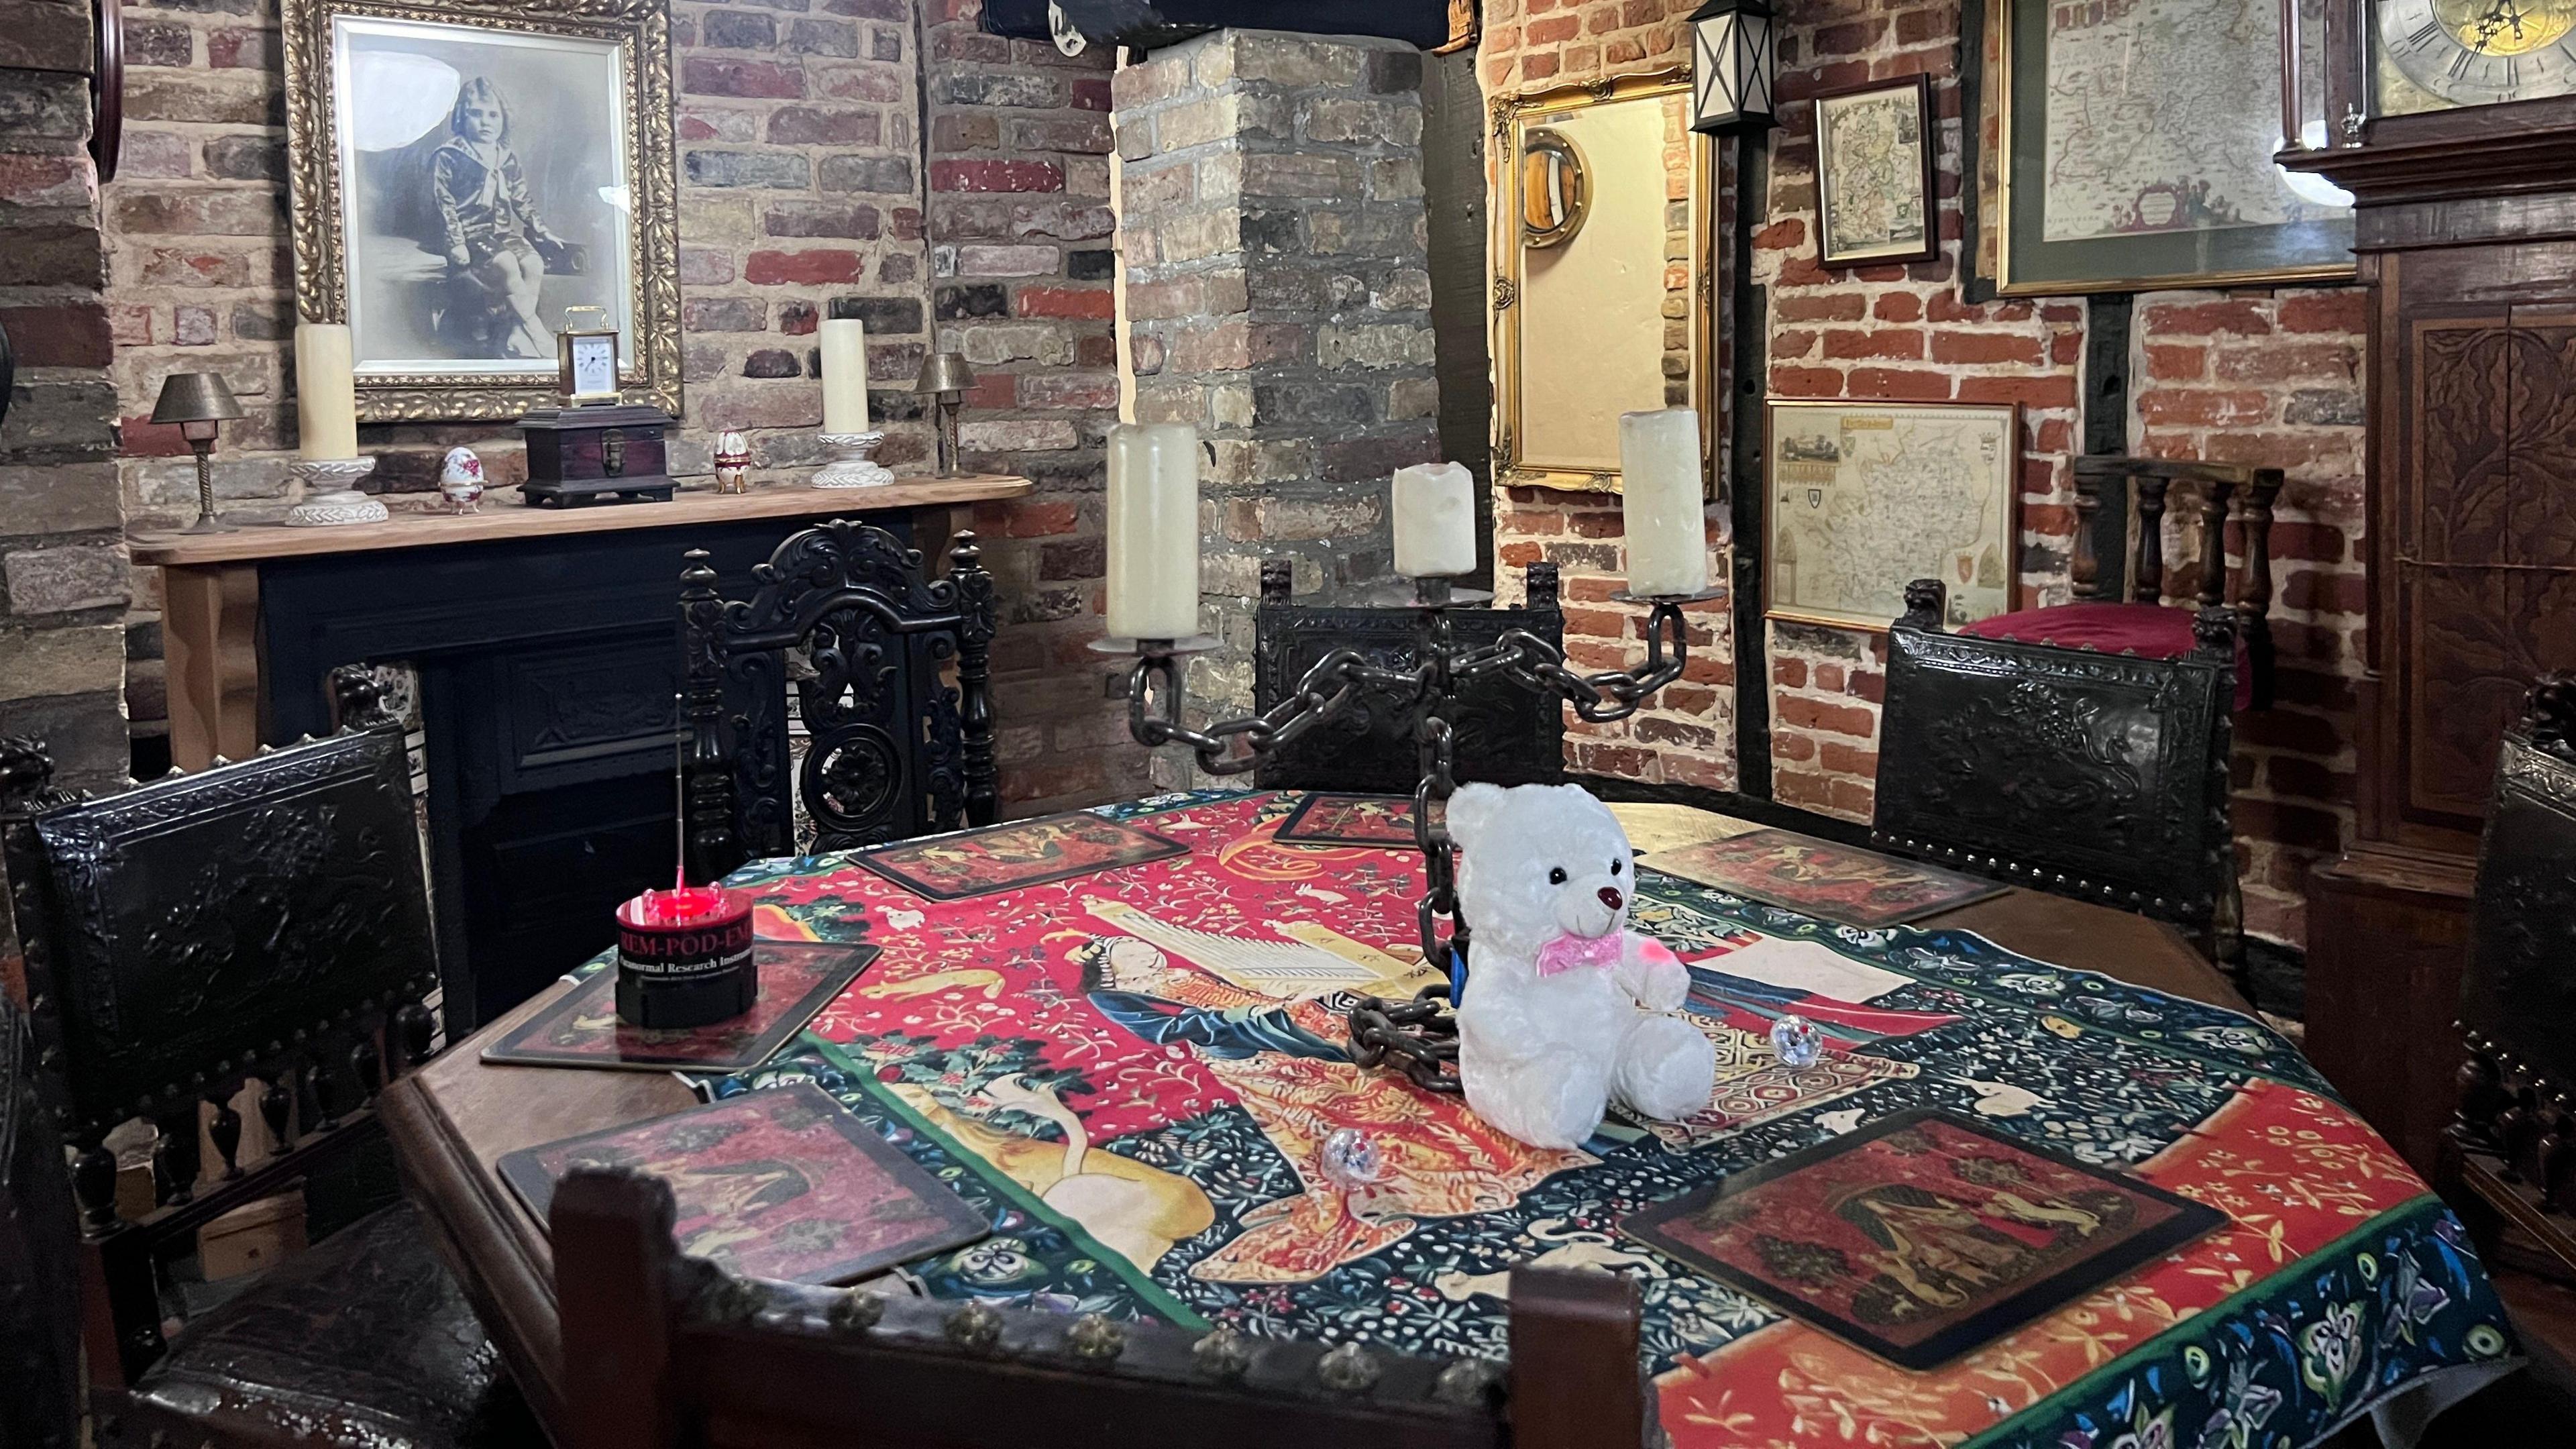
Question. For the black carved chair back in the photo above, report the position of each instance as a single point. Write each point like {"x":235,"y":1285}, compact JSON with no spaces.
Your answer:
{"x":1505,"y":734}
{"x":39,"y":1289}
{"x":661,"y":1351}
{"x":2518,"y":998}
{"x":2097,"y":776}
{"x":849,"y":625}
{"x":265,"y":920}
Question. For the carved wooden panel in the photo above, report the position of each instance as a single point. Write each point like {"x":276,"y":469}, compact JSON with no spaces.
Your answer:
{"x":2520,"y":995}
{"x":2087,"y":774}
{"x":1507,"y":734}
{"x":2483,"y":575}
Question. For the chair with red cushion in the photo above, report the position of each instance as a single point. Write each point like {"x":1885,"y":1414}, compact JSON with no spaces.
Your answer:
{"x":2144,"y":625}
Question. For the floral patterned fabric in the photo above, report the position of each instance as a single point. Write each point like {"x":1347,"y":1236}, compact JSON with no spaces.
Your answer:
{"x":1132,"y":1072}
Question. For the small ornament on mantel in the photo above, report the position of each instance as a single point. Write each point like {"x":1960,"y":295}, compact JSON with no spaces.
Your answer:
{"x":733,"y":463}
{"x":594,"y":448}
{"x":460,"y":480}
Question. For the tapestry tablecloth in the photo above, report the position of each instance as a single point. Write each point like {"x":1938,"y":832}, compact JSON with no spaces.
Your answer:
{"x":1133,"y":1072}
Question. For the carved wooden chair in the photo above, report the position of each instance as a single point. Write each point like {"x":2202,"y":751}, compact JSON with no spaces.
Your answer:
{"x":661,"y":1351}
{"x":2143,"y":624}
{"x":264,"y":922}
{"x":39,"y":1331}
{"x":852,"y":622}
{"x":2516,"y":1128}
{"x":1505,"y":735}
{"x":2074,"y":771}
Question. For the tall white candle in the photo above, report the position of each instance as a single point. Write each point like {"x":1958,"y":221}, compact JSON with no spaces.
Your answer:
{"x":845,"y":375}
{"x":1153,"y":531}
{"x":1435,"y":521}
{"x":326,"y":392}
{"x":1660,"y":500}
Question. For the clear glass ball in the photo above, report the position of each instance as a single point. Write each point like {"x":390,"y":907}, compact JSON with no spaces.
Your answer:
{"x":1796,"y":1041}
{"x":1351,"y":1159}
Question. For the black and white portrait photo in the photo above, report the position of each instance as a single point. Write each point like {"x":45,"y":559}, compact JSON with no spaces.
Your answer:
{"x":484,"y":190}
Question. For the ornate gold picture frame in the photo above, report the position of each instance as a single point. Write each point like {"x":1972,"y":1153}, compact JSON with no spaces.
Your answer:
{"x":1617,"y":312}
{"x":463,"y":173}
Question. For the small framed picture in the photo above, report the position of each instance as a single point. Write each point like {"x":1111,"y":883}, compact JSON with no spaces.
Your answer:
{"x":589,"y":363}
{"x":1874,"y":186}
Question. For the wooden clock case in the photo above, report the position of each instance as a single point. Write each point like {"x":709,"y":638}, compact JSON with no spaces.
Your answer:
{"x":2466,"y":235}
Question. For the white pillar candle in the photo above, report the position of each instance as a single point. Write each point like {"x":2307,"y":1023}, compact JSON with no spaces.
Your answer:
{"x":326,"y":393}
{"x":845,"y":375}
{"x":1153,"y":531}
{"x":1660,"y":500}
{"x":1435,"y":521}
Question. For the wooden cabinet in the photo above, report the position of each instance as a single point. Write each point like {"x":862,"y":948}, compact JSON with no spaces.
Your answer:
{"x":2467,"y":239}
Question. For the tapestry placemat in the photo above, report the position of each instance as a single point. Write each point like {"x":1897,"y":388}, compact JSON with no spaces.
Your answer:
{"x":582,"y":1029}
{"x":1819,"y":878}
{"x":1022,"y":853}
{"x":785,"y":1185}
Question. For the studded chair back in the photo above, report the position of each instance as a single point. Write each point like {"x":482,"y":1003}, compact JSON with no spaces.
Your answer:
{"x":661,"y":1351}
{"x":2097,"y":776}
{"x":2518,"y":999}
{"x":264,"y":920}
{"x":1505,"y":734}
{"x":849,"y":623}
{"x":39,"y":1289}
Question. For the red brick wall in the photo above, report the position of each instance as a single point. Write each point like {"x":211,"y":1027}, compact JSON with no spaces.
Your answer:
{"x":802,"y":186}
{"x":1021,"y":283}
{"x":2245,"y":376}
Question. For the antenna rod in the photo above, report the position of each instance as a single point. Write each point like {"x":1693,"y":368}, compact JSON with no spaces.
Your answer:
{"x":680,"y":788}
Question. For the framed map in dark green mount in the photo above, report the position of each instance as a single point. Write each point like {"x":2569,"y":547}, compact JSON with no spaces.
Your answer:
{"x":2134,"y":151}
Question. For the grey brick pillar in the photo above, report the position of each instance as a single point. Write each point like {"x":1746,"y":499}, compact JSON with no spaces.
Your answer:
{"x":1278,"y":293}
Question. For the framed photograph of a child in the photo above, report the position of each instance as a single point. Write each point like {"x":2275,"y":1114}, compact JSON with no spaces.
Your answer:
{"x":464,"y":173}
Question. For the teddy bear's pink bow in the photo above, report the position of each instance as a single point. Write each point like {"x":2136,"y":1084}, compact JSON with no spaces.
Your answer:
{"x":1571,"y":952}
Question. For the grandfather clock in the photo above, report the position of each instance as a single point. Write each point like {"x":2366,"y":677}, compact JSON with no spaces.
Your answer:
{"x":2453,"y":124}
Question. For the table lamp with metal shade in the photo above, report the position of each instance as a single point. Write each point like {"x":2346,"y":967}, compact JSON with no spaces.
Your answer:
{"x":945,"y":377}
{"x":199,"y":403}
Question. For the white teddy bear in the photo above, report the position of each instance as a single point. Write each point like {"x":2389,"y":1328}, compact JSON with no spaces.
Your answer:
{"x":1565,"y":1009}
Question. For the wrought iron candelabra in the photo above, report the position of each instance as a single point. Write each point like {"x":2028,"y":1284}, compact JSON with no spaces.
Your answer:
{"x":1417,"y":1036}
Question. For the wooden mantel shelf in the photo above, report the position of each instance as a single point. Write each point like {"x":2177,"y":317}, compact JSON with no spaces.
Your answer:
{"x":211,"y":582}
{"x":500,"y":519}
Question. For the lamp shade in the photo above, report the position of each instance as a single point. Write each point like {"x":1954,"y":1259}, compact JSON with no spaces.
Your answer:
{"x":1732,"y":65}
{"x":195,"y":397}
{"x":944,"y":372}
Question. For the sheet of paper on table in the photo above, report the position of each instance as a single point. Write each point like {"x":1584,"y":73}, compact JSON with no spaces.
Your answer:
{"x":1652,"y":825}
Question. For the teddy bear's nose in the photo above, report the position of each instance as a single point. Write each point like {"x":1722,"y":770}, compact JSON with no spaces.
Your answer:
{"x":1610,"y":897}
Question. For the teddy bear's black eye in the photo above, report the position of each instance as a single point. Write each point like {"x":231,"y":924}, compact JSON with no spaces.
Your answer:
{"x":1614,"y":867}
{"x":1556,"y":875}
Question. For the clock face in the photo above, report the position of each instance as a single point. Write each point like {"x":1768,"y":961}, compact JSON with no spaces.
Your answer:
{"x":2435,"y":53}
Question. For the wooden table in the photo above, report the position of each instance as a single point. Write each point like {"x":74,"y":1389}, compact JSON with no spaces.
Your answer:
{"x":454,"y":1119}
{"x":211,"y":581}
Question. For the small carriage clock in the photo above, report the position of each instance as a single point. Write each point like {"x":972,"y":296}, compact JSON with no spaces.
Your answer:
{"x":594,"y":448}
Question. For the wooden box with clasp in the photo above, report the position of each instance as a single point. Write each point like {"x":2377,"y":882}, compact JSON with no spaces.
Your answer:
{"x":596,"y":453}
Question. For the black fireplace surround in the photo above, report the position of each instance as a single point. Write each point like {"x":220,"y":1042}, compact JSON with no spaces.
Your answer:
{"x":549,"y":670}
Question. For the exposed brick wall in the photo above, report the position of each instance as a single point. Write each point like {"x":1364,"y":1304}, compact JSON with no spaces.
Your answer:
{"x":62,"y":642}
{"x":802,"y":190}
{"x":1279,"y":296}
{"x":1024,"y":286}
{"x":2253,"y":376}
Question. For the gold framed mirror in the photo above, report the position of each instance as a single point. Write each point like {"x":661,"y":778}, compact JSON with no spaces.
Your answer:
{"x":1603,"y":301}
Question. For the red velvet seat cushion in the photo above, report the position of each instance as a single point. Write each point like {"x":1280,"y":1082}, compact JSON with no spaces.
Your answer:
{"x":2150,"y":631}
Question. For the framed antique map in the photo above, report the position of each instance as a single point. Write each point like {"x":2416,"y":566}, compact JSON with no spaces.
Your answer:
{"x":1874,"y":174}
{"x":1862,"y":498}
{"x":2135,"y":151}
